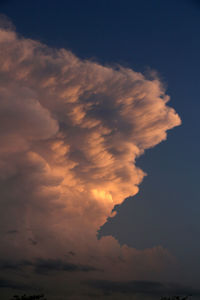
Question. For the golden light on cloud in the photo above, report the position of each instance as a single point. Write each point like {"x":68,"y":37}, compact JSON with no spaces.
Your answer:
{"x":102,"y":195}
{"x":71,"y":131}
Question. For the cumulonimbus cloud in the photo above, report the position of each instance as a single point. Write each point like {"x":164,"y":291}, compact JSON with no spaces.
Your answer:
{"x":70,"y":132}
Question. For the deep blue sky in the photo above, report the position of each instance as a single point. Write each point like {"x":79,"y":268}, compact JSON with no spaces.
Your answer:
{"x":146,"y":34}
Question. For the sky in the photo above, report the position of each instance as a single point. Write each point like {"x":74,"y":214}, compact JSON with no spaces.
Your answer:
{"x":99,"y":156}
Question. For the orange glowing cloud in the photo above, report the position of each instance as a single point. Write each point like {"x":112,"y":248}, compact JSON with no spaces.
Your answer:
{"x":70,"y":133}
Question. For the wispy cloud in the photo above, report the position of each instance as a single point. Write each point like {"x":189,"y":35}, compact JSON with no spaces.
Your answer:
{"x":143,"y":287}
{"x":41,"y":265}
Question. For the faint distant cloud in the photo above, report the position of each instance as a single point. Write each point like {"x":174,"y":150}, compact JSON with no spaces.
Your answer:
{"x":49,"y":265}
{"x":4,"y":283}
{"x":12,"y":231}
{"x":9,"y":265}
{"x":5,"y":22}
{"x":142,"y":287}
{"x":44,"y":266}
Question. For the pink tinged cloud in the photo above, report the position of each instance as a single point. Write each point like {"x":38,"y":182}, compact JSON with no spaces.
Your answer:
{"x":70,"y":132}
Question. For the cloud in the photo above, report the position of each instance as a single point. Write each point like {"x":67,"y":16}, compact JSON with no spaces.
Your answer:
{"x":71,"y":131}
{"x":9,"y":265}
{"x":44,"y":266}
{"x":4,"y":283}
{"x":143,"y":287}
{"x":12,"y":231}
{"x":48,"y":265}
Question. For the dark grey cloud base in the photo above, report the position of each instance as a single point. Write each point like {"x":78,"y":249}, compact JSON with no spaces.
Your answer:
{"x":150,"y":288}
{"x":45,"y":266}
